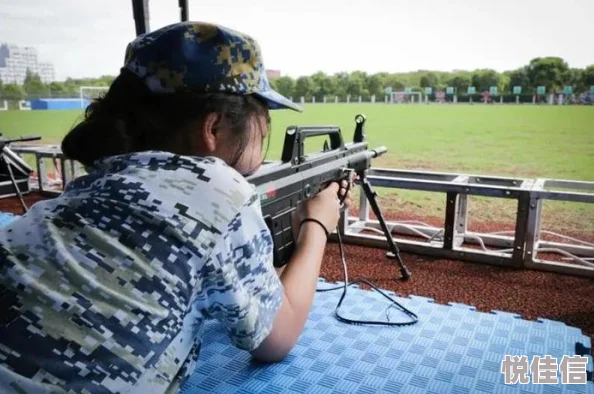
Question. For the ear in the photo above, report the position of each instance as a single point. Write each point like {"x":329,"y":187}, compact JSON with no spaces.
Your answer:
{"x":209,"y":132}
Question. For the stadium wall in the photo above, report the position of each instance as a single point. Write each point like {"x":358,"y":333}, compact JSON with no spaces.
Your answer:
{"x":58,"y":104}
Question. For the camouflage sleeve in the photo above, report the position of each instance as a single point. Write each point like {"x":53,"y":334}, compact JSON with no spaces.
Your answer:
{"x":241,"y":287}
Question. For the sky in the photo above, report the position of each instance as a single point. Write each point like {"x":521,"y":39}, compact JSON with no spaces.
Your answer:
{"x":87,"y":38}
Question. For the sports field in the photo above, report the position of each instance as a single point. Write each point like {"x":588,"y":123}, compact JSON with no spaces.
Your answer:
{"x":521,"y":141}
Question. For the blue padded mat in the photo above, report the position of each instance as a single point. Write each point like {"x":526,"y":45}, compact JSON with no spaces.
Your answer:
{"x":452,"y":349}
{"x":6,"y":218}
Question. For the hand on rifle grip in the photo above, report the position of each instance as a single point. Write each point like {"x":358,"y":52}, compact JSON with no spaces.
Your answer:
{"x":324,"y":206}
{"x":346,"y":186}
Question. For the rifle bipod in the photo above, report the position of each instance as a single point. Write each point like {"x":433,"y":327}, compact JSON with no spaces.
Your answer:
{"x":394,"y":252}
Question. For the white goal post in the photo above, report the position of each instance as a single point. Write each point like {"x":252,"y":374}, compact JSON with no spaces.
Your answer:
{"x":88,"y":93}
{"x":3,"y":105}
{"x":24,"y":105}
{"x":406,"y":97}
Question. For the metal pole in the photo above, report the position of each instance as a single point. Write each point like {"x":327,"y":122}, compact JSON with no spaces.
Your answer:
{"x":140,"y":9}
{"x":184,"y":12}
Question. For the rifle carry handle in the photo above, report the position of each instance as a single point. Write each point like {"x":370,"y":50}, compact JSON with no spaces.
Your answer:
{"x":293,"y":149}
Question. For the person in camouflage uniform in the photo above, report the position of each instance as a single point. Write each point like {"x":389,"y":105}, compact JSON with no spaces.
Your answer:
{"x":105,"y":289}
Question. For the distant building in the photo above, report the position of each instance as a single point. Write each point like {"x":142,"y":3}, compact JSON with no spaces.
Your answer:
{"x":15,"y":60}
{"x":273,"y":74}
{"x":46,"y":72}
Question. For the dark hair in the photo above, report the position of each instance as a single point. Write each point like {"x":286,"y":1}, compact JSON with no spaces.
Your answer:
{"x":130,"y":118}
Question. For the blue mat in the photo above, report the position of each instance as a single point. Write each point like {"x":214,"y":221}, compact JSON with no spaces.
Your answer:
{"x":452,"y":349}
{"x":6,"y":218}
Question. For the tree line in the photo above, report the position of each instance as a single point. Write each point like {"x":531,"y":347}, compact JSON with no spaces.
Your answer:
{"x":551,"y":72}
{"x":33,"y":87}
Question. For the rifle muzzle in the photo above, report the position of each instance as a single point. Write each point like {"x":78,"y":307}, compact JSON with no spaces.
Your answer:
{"x":379,"y":151}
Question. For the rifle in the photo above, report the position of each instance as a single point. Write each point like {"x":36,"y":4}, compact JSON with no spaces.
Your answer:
{"x":297,"y":177}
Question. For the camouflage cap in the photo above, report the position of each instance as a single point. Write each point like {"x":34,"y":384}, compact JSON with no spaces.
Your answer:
{"x":198,"y":56}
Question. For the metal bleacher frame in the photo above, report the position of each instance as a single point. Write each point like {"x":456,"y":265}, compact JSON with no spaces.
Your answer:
{"x":520,"y":249}
{"x":44,"y":185}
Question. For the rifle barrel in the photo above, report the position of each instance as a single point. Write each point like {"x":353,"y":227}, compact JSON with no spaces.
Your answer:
{"x":379,"y":151}
{"x":20,"y":139}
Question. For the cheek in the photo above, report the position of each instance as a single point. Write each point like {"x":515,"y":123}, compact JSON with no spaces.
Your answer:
{"x":251,"y":158}
{"x":254,"y":153}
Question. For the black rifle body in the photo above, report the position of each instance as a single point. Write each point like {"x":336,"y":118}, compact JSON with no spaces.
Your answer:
{"x":285,"y":184}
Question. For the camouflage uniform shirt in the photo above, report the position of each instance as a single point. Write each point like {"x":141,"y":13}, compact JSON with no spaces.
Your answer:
{"x":105,"y":289}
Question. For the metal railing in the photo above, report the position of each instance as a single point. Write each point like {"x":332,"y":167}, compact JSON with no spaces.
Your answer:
{"x":520,"y":248}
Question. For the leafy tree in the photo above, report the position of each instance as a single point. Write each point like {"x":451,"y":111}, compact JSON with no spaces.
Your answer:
{"x":551,"y":72}
{"x":285,"y":86}
{"x":460,"y":83}
{"x":482,"y":80}
{"x":519,"y":77}
{"x":323,"y":85}
{"x":588,"y":77}
{"x":303,"y":87}
{"x":12,"y":91}
{"x":342,"y":80}
{"x":375,"y":85}
{"x":33,"y":85}
{"x":429,"y":80}
{"x":575,"y":79}
{"x":395,"y":82}
{"x":57,"y":88}
{"x":356,"y":85}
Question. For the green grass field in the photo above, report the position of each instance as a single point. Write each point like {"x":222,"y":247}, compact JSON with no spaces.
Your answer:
{"x":521,"y":141}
